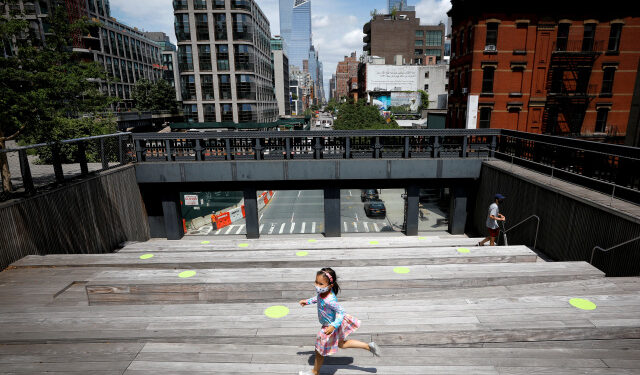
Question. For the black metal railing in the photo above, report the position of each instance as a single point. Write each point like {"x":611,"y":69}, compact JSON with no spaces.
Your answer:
{"x":368,"y":144}
{"x":587,"y":46}
{"x":39,"y":166}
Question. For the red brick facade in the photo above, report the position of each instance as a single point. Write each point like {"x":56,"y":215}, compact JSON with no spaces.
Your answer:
{"x":559,"y":73}
{"x":346,"y":70}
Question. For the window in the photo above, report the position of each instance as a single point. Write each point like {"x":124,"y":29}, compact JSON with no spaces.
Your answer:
{"x":419,"y":43}
{"x":243,"y":57}
{"x":200,"y":4}
{"x":221,"y":27}
{"x":246,"y":113}
{"x":242,"y":27}
{"x":614,"y":37}
{"x":492,"y":35}
{"x":206,"y":84}
{"x":188,"y":87}
{"x":563,"y":37}
{"x":183,"y":31}
{"x":241,"y":4}
{"x":418,"y":52}
{"x":185,"y":58}
{"x":487,"y":79}
{"x":419,"y":33}
{"x":190,"y":112}
{"x":202,"y":26}
{"x":461,"y":43}
{"x":224,"y":82}
{"x":204,"y":57}
{"x":433,"y":52}
{"x":223,"y":56}
{"x":245,"y":87}
{"x":601,"y":120}
{"x":218,"y":4}
{"x":589,"y":34}
{"x":426,"y":87}
{"x":607,"y":80}
{"x":469,"y":40}
{"x":209,"y":112}
{"x":180,"y":5}
{"x":426,"y":74}
{"x":227,"y":112}
{"x":485,"y":117}
{"x":434,"y":38}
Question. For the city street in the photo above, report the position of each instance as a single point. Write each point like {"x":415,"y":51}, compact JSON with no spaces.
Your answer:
{"x":302,"y":212}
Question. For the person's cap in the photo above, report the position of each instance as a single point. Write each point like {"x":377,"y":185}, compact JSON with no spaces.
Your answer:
{"x":499,"y":196}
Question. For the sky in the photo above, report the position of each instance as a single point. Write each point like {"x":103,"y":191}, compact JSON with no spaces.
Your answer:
{"x":337,"y":24}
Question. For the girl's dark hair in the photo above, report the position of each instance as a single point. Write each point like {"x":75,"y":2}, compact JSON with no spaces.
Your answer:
{"x":336,"y":287}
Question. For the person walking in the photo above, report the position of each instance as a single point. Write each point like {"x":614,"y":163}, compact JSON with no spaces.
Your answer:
{"x":492,"y":221}
{"x":336,"y":324}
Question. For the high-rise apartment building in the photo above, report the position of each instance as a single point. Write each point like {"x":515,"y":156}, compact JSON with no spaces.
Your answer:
{"x":401,"y":36}
{"x":125,"y":52}
{"x":280,"y":63}
{"x":566,"y":68}
{"x":224,"y":59}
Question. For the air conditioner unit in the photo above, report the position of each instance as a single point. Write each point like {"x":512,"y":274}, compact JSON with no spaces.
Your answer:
{"x":490,"y":47}
{"x":465,"y":90}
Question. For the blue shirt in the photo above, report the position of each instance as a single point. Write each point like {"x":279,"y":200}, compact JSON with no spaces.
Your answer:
{"x":330,"y":313}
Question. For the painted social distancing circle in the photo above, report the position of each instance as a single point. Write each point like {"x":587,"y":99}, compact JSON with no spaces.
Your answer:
{"x":374,"y":242}
{"x":582,"y":304}
{"x":186,"y":274}
{"x":276,"y":312}
{"x":243,"y":245}
{"x":312,"y":240}
{"x":205,"y":242}
{"x":302,"y":253}
{"x":401,"y":270}
{"x":422,"y":238}
{"x":146,"y":256}
{"x":463,"y":250}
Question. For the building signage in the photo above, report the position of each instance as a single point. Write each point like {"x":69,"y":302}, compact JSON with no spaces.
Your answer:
{"x":392,"y":77}
{"x":191,"y":200}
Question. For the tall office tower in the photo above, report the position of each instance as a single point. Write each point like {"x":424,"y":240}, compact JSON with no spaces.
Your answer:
{"x":286,"y":13}
{"x":300,"y":39}
{"x":396,"y":4}
{"x":224,"y":59}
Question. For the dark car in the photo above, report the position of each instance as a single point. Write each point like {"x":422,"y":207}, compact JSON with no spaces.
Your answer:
{"x":369,"y":194}
{"x":375,"y":208}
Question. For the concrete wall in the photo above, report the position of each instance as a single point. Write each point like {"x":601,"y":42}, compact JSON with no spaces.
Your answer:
{"x":88,"y":217}
{"x":569,"y":228}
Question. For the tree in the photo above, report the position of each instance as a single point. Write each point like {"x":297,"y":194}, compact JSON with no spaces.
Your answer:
{"x":359,"y":116}
{"x":46,"y":89}
{"x":158,"y":96}
{"x":424,"y":100}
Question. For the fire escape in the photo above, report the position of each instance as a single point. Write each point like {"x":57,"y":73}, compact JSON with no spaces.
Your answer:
{"x":568,"y":89}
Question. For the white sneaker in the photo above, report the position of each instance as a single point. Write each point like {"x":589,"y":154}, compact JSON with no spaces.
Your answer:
{"x":375,"y":349}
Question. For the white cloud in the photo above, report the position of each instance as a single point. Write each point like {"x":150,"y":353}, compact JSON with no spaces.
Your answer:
{"x":433,"y":11}
{"x":147,"y":15}
{"x":320,"y":21}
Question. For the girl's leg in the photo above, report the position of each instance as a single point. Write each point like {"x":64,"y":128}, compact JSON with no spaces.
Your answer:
{"x":318,"y":364}
{"x":355,"y":344}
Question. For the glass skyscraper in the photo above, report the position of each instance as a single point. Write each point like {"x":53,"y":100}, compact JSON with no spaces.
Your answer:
{"x":399,"y":5}
{"x":295,"y":29}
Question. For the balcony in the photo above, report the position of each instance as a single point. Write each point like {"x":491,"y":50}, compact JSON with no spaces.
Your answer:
{"x":367,"y":28}
{"x":579,"y":46}
{"x":568,"y":91}
{"x":366,"y":39}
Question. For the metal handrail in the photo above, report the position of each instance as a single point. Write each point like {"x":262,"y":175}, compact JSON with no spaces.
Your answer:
{"x":535,"y":240}
{"x":66,"y":141}
{"x":593,"y":251}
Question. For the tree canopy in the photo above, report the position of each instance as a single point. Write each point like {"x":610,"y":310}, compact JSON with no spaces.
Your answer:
{"x":158,"y":96}
{"x":359,"y":116}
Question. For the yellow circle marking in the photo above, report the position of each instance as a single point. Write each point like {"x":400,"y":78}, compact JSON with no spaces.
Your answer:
{"x":276,"y":312}
{"x":312,"y":240}
{"x":582,"y":304}
{"x":186,"y":274}
{"x":243,"y":245}
{"x":422,"y":238}
{"x":205,"y":242}
{"x":374,"y":243}
{"x":464,"y":250}
{"x":302,"y":253}
{"x":401,"y":270}
{"x":146,"y":256}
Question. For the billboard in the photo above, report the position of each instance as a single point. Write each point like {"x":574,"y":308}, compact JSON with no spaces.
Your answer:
{"x":392,"y":77}
{"x":412,"y":99}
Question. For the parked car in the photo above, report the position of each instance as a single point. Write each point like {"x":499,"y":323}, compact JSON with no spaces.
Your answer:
{"x":375,"y":207}
{"x":368,"y":194}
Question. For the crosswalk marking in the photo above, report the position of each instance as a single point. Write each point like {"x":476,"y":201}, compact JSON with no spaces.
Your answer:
{"x":345,"y":226}
{"x":355,"y":226}
{"x":303,"y":226}
{"x":375,"y":226}
{"x":240,"y":229}
{"x":313,"y":227}
{"x":272,"y":228}
{"x":293,"y":227}
{"x":281,"y":228}
{"x":230,"y":229}
{"x":259,"y":230}
{"x":290,"y":228}
{"x":366,"y":227}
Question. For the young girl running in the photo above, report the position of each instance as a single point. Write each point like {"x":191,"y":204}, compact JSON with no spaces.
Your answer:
{"x":336,"y":325}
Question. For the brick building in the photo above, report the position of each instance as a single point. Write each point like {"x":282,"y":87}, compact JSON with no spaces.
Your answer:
{"x":556,"y":68}
{"x":401,"y":34}
{"x":347,"y":70}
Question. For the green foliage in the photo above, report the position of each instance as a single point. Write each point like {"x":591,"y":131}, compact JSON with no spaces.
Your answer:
{"x":158,"y":96}
{"x":359,"y":115}
{"x":373,"y":13}
{"x":406,"y":108}
{"x":332,"y":106}
{"x":307,"y":112}
{"x":424,"y":100}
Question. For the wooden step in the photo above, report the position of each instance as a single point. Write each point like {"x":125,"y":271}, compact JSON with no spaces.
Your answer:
{"x":143,"y":286}
{"x":288,"y":258}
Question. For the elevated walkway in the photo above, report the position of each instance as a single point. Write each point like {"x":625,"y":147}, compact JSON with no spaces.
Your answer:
{"x":459,"y":309}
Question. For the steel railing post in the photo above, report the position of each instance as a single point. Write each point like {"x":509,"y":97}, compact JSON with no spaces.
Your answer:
{"x":25,"y":170}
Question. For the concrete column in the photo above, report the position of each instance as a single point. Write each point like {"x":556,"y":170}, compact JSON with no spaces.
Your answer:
{"x":251,"y":213}
{"x":458,"y":210}
{"x":172,"y":216}
{"x":412,"y":210}
{"x":332,"y":220}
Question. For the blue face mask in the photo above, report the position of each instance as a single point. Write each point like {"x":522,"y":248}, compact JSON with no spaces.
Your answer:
{"x":322,"y":290}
